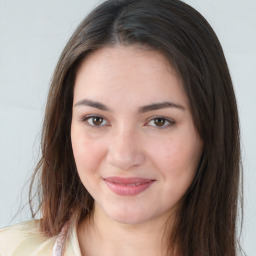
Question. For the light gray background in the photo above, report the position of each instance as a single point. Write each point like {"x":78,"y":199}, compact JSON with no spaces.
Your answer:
{"x":32,"y":36}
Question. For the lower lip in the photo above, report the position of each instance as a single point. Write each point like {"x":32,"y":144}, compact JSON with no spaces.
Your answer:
{"x":126,"y":190}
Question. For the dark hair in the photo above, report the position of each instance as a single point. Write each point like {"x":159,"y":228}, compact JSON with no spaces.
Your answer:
{"x":206,"y":223}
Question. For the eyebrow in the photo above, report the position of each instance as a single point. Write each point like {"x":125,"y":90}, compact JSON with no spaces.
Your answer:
{"x":91,"y":103}
{"x":142,"y":109}
{"x":160,"y":105}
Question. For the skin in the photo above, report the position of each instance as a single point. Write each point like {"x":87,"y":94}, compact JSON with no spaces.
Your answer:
{"x":127,"y":140}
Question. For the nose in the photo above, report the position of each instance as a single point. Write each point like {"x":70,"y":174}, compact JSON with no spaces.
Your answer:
{"x":125,"y":151}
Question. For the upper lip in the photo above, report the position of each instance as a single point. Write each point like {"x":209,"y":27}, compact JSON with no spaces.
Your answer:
{"x":128,"y":180}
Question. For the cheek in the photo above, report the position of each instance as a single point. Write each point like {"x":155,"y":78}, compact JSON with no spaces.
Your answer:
{"x":87,"y":152}
{"x":178,"y":156}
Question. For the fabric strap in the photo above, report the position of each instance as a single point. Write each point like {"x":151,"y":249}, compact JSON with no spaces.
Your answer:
{"x":58,"y":248}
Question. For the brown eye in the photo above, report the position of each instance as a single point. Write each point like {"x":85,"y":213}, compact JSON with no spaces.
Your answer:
{"x":95,"y":121}
{"x":159,"y":122}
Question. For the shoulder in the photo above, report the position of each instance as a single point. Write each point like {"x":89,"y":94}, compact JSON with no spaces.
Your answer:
{"x":25,"y":239}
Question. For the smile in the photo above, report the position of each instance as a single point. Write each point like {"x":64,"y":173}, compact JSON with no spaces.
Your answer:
{"x":128,"y":186}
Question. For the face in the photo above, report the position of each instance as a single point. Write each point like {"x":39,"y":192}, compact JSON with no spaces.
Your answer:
{"x":134,"y":143}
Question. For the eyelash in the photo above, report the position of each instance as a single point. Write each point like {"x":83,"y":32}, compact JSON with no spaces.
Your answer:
{"x":91,"y":117}
{"x":166,"y":121}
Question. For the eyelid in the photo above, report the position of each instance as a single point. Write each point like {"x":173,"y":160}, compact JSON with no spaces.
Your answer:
{"x":170,"y":121}
{"x":85,"y":119}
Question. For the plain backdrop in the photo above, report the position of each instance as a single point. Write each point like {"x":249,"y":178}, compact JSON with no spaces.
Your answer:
{"x":32,"y":36}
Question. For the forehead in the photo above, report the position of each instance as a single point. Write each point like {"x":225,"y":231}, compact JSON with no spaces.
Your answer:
{"x":127,"y":56}
{"x":128,"y":72}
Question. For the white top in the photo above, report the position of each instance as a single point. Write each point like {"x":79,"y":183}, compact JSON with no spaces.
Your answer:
{"x":25,"y":239}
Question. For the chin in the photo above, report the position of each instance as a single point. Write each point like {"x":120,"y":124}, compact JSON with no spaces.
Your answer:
{"x":129,"y":220}
{"x":132,"y":216}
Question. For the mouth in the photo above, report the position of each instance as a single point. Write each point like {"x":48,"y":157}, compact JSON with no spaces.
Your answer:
{"x":128,"y":186}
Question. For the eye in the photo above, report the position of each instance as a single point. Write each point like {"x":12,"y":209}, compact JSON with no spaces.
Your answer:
{"x":160,"y":122}
{"x":95,"y":121}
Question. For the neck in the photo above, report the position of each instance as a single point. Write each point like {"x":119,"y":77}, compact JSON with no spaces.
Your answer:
{"x":100,"y":235}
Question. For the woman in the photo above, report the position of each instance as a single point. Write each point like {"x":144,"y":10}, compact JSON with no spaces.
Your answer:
{"x":140,"y":145}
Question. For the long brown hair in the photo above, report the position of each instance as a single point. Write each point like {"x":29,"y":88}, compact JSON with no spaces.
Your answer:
{"x":206,"y":223}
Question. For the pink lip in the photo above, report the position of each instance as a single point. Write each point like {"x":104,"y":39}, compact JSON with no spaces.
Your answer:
{"x":127,"y":186}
